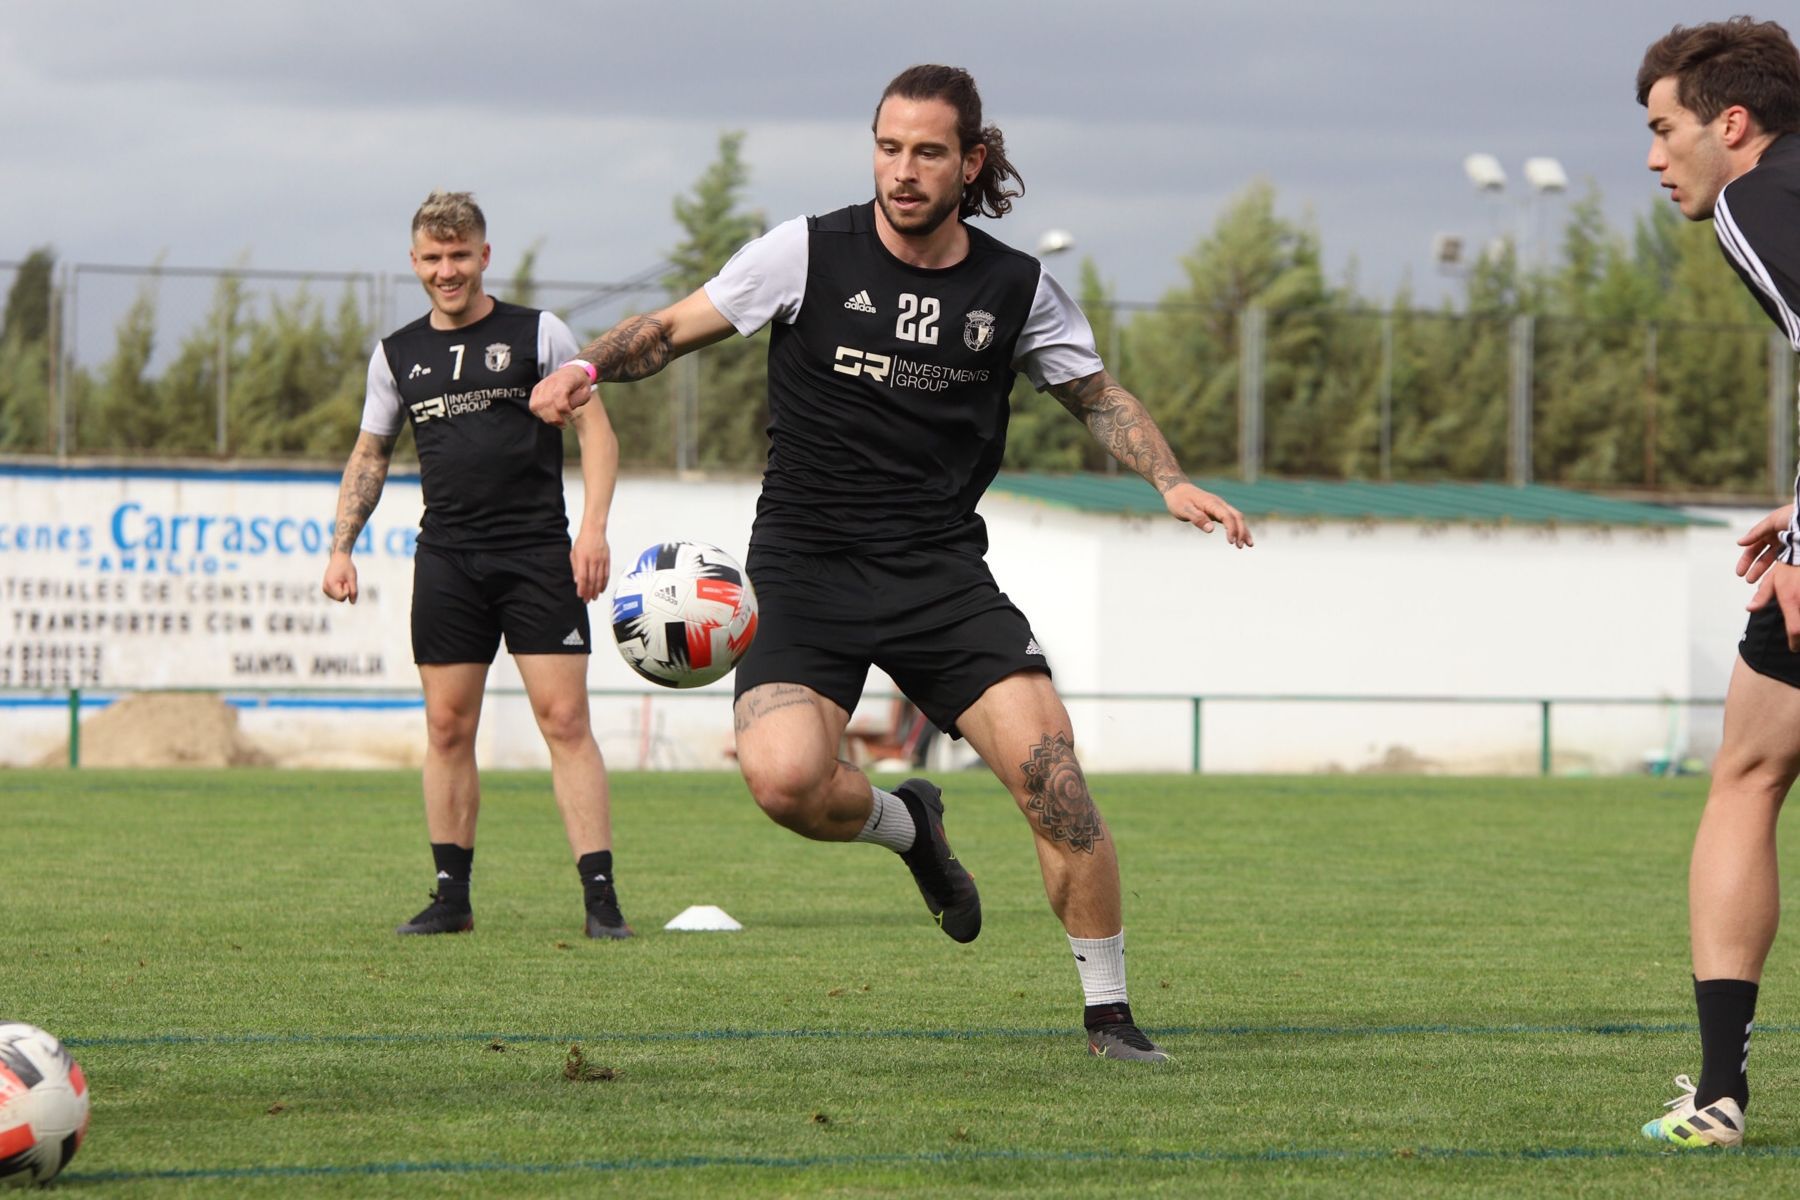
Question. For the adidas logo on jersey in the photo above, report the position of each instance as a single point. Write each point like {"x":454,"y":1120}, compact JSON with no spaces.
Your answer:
{"x":1031,"y":647}
{"x":574,"y":638}
{"x":860,"y":303}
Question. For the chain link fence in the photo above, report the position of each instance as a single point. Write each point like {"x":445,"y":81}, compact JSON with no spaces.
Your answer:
{"x":168,"y":363}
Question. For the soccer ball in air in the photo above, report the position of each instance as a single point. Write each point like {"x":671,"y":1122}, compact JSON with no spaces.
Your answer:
{"x":43,"y":1105}
{"x":684,"y":614}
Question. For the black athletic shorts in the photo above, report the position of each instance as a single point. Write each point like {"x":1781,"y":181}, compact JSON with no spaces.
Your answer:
{"x":933,"y":619}
{"x":463,"y":600}
{"x":1765,"y":649}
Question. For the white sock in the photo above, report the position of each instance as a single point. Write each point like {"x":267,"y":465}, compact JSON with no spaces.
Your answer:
{"x":1101,"y":962}
{"x":890,"y":822}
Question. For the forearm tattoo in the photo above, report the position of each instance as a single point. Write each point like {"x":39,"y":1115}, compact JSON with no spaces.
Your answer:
{"x":1059,"y":803}
{"x":1119,"y":422}
{"x":636,"y":348}
{"x":361,"y":491}
{"x":761,"y":701}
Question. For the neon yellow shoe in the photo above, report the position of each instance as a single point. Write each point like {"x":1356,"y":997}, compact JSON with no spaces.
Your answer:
{"x":1720,"y":1123}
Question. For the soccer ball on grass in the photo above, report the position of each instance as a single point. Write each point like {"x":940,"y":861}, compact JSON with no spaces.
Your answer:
{"x":43,"y":1105}
{"x":684,"y":614}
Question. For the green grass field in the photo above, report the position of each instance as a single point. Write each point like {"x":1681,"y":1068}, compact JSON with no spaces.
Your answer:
{"x":1386,"y":986}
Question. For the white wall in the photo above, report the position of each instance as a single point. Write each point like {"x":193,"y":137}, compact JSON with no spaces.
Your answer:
{"x":1345,"y":609}
{"x":1121,"y":605}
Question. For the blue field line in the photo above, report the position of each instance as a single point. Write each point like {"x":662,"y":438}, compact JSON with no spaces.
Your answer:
{"x":365,"y":703}
{"x":1611,"y":1029}
{"x":328,"y":478}
{"x":337,"y":703}
{"x":1408,"y":1155}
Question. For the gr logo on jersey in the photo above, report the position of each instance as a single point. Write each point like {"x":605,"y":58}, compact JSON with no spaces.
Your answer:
{"x":978,"y":330}
{"x":424,"y":410}
{"x":498,"y":356}
{"x":861,"y":362}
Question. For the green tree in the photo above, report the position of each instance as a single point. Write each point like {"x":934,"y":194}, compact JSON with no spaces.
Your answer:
{"x":124,"y":415}
{"x":299,"y":386}
{"x":25,"y":354}
{"x":330,"y":425}
{"x":721,"y":392}
{"x":1449,"y":381}
{"x":730,"y":378}
{"x":1185,"y":352}
{"x":1588,"y":380}
{"x":1712,"y":374}
{"x":1041,"y":435}
{"x":523,"y":286}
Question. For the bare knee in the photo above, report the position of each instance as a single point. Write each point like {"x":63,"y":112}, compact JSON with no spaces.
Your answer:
{"x":1747,"y":773}
{"x":451,"y":731}
{"x":793,"y":794}
{"x":564,"y":724}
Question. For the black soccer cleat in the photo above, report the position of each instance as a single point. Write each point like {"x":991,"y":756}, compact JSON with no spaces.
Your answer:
{"x":1124,"y":1040}
{"x":948,"y":889}
{"x":604,"y":920}
{"x":440,"y":916}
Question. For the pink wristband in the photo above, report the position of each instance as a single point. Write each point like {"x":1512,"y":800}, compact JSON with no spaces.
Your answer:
{"x":593,"y":372}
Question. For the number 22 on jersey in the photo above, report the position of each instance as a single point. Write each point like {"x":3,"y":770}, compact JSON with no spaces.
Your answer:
{"x":918,"y":319}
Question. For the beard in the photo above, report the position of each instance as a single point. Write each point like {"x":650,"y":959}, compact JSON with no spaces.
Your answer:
{"x":920,"y":224}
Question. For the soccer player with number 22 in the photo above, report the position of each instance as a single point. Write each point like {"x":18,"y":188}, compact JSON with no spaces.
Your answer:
{"x":897,"y":330}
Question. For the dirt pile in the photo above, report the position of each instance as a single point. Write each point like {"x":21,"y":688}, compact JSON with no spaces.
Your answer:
{"x":163,"y":729}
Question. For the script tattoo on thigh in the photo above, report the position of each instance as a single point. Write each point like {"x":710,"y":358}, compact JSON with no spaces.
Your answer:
{"x":1059,"y":802}
{"x":762,"y":701}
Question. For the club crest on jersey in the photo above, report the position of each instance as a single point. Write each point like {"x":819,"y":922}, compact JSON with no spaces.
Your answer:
{"x":978,"y":330}
{"x":498,"y":356}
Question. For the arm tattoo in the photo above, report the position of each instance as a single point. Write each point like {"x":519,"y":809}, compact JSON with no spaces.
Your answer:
{"x":360,"y":491}
{"x":635,"y":348}
{"x":1060,"y":805}
{"x":1119,"y":422}
{"x":759,"y":702}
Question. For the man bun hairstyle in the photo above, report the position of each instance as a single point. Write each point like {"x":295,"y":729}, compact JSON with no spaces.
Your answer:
{"x":447,"y":216}
{"x":1740,"y":61}
{"x":988,"y":195}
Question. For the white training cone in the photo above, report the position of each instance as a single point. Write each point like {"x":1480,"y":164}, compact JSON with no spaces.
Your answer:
{"x":704,"y":918}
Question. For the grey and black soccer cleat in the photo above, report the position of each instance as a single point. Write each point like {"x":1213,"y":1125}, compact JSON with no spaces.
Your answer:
{"x":440,"y":916}
{"x":948,"y":889}
{"x":1126,"y":1041}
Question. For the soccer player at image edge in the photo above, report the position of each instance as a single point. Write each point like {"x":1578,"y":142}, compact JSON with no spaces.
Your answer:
{"x":1723,"y":102}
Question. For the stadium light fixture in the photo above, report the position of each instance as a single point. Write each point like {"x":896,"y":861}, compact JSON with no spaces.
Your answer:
{"x":1543,"y":177}
{"x":1485,"y":172}
{"x":1055,"y":241}
{"x":1546,"y":175}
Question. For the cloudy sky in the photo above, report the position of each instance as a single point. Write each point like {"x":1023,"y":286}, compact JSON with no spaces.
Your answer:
{"x":303,"y":135}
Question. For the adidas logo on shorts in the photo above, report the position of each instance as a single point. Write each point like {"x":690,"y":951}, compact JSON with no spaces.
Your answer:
{"x":574,"y":638}
{"x":860,"y":303}
{"x":1031,"y":647}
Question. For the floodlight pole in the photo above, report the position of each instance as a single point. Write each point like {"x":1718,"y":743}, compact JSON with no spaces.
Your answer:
{"x":1519,"y":412}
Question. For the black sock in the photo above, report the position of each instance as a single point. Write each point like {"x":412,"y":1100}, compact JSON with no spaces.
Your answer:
{"x":454,"y":864}
{"x":1096,"y":1015}
{"x":596,"y":871}
{"x":1727,"y":1009}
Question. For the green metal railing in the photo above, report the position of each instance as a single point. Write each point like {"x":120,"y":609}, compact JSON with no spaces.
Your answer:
{"x":1544,"y":705}
{"x":1196,"y":704}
